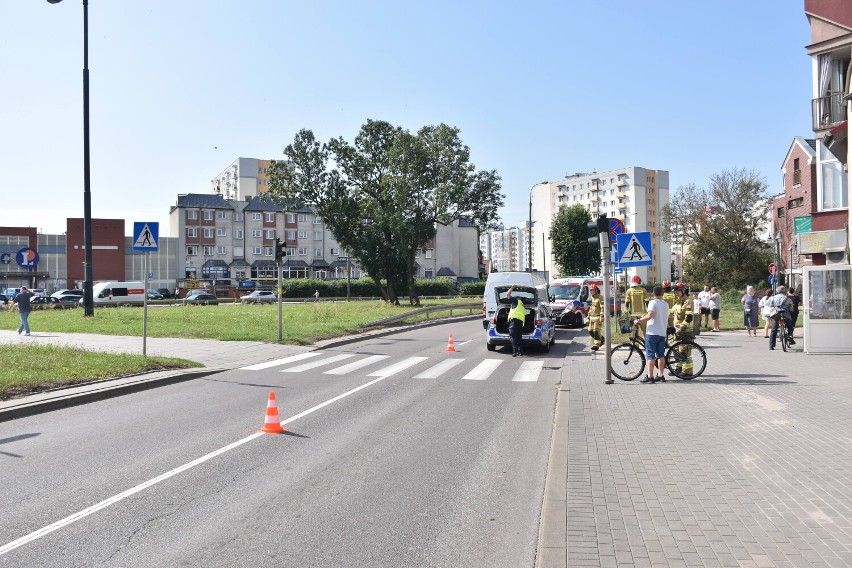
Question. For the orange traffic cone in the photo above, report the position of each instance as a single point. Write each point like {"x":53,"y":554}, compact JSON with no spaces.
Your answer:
{"x":272,"y":424}
{"x":451,"y":345}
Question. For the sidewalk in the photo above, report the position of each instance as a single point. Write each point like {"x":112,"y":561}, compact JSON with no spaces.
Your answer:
{"x":749,"y":465}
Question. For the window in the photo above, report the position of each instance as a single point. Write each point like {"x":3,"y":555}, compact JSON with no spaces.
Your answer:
{"x":291,"y":251}
{"x":270,"y":217}
{"x":192,"y":232}
{"x":793,"y":203}
{"x":335,"y":252}
{"x":238,"y":252}
{"x":208,"y":251}
{"x":318,"y":253}
{"x":302,"y":251}
{"x":257,"y":251}
{"x":221,"y":232}
{"x":270,"y":233}
{"x":268,"y":251}
{"x":302,"y":217}
{"x":255,"y":216}
{"x":192,"y":214}
{"x":780,"y":212}
{"x":240,"y":274}
{"x":208,"y":215}
{"x":220,"y":214}
{"x":192,"y":250}
{"x":208,"y":233}
{"x":317,"y":220}
{"x":238,"y":216}
{"x":291,"y":217}
{"x":427,"y":253}
{"x":291,"y":235}
{"x":221,"y":250}
{"x":317,"y":235}
{"x":797,"y":172}
{"x":428,"y":273}
{"x":256,"y":233}
{"x":303,"y":234}
{"x":238,"y":233}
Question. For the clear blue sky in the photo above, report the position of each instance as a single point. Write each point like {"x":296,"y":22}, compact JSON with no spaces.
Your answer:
{"x":180,"y":88}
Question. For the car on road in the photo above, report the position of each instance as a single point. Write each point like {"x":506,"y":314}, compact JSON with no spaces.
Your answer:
{"x":539,"y":328}
{"x":154,"y":295}
{"x":45,"y":303}
{"x":200,"y":298}
{"x":260,"y":297}
{"x":69,"y":301}
{"x":165,"y":292}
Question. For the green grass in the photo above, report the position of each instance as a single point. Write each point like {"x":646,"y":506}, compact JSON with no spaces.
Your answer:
{"x":32,"y":368}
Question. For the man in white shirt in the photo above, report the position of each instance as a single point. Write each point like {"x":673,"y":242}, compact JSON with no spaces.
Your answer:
{"x":704,"y":298}
{"x":655,"y":336}
{"x":715,"y":305}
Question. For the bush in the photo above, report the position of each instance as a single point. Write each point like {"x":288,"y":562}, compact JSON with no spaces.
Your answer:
{"x":434,"y":286}
{"x":475,"y":288}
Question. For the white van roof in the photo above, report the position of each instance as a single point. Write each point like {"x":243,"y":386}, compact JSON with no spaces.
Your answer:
{"x":530,"y":279}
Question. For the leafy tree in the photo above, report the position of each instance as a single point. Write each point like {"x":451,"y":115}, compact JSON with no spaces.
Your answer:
{"x":720,"y":229}
{"x":569,"y":236}
{"x":383,"y":195}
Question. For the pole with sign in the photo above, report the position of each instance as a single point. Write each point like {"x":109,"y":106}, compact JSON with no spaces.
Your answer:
{"x":145,"y":238}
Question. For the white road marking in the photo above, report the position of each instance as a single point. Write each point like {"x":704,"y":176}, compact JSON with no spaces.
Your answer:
{"x":346,"y":369}
{"x":439,"y":369}
{"x":283,"y":361}
{"x":483,"y":370}
{"x":320,"y":363}
{"x":37,"y":534}
{"x":529,"y":372}
{"x":397,"y":367}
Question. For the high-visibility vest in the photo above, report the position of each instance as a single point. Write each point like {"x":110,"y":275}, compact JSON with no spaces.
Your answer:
{"x":636,"y":298}
{"x":519,"y":312}
{"x":670,"y":298}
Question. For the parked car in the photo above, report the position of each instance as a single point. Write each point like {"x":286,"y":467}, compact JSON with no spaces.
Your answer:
{"x":260,"y":297}
{"x":165,"y":292}
{"x":69,"y":301}
{"x":539,"y":328}
{"x":76,"y":294}
{"x":154,"y":295}
{"x":4,"y":299}
{"x":195,"y":298}
{"x":45,"y":303}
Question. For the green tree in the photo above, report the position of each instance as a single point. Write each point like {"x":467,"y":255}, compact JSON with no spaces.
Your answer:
{"x":720,"y":228}
{"x":569,"y":236}
{"x":383,"y":195}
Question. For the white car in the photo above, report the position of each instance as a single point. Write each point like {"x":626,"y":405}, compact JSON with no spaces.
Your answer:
{"x":260,"y":297}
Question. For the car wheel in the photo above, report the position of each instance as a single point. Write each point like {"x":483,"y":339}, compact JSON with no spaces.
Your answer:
{"x":490,"y":346}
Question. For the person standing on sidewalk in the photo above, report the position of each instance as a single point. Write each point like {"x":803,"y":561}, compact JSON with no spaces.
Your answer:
{"x":764,"y":306}
{"x":636,"y":298}
{"x":23,"y":301}
{"x":704,"y":298}
{"x":595,"y":317}
{"x":657,"y":320}
{"x":715,"y":307}
{"x":517,"y":315}
{"x":696,"y":314}
{"x":682,"y":320}
{"x":749,"y":302}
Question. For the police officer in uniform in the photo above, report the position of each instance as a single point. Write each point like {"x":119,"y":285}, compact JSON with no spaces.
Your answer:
{"x":595,"y":317}
{"x":517,"y":315}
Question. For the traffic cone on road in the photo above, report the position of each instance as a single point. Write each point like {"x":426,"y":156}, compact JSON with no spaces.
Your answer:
{"x":272,"y":423}
{"x":451,"y":345}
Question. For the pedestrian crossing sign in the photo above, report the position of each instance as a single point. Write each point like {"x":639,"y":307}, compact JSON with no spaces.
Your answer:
{"x":634,"y":249}
{"x":146,"y":236}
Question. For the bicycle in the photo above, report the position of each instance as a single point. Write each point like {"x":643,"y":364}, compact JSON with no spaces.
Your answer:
{"x":783,"y":333}
{"x":685,"y":359}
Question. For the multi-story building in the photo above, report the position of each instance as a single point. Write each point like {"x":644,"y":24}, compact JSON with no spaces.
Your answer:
{"x":505,"y":249}
{"x":634,"y":195}
{"x":243,"y":179}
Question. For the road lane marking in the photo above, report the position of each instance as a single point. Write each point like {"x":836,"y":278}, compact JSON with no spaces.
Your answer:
{"x":528,"y":372}
{"x":315,"y":364}
{"x":44,"y":531}
{"x":346,"y":369}
{"x":397,"y":367}
{"x":282,"y":361}
{"x":483,"y":370}
{"x":439,"y":369}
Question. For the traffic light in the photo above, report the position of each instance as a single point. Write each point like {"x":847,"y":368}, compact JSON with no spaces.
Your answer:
{"x":600,"y":229}
{"x":280,"y":250}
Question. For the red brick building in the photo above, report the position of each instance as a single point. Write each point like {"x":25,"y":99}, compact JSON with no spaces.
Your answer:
{"x":107,"y":250}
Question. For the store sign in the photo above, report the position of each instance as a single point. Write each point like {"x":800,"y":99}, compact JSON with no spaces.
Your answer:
{"x":802,"y":224}
{"x":818,"y":241}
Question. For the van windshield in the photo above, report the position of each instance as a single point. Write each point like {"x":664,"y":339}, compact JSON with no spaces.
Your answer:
{"x":564,"y":291}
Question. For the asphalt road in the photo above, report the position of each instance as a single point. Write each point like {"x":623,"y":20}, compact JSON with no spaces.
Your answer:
{"x":382,"y":465}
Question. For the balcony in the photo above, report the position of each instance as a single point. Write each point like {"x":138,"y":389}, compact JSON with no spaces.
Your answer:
{"x":621,"y":206}
{"x":620,"y":194}
{"x":828,"y":111}
{"x":620,"y":183}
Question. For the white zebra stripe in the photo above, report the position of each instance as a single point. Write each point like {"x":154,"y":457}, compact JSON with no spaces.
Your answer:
{"x":354,"y":366}
{"x":483,"y":370}
{"x":397,"y":367}
{"x":528,"y":372}
{"x":282,"y":361}
{"x":315,"y":364}
{"x":439,"y":369}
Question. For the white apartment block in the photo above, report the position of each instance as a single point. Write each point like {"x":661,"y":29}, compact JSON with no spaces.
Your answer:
{"x":243,"y":179}
{"x":506,"y":249}
{"x":634,"y":195}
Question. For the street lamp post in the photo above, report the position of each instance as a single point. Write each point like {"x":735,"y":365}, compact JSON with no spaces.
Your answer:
{"x":529,"y":237}
{"x":88,"y":303}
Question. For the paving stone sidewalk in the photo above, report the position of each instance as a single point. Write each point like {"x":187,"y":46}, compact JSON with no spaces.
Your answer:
{"x":749,"y":465}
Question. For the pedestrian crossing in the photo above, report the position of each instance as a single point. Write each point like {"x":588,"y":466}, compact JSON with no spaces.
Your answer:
{"x":426,"y":368}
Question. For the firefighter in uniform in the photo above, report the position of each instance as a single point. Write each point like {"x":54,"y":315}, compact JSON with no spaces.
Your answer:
{"x":636,"y":300}
{"x":669,"y":298}
{"x":682,"y":322}
{"x":595,"y":317}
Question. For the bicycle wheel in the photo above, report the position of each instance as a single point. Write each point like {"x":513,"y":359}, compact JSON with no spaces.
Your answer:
{"x":782,"y":331}
{"x":627,"y":361}
{"x":686,"y":359}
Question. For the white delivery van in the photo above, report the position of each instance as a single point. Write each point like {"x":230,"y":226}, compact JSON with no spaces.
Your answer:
{"x":503,"y":280}
{"x":118,"y":293}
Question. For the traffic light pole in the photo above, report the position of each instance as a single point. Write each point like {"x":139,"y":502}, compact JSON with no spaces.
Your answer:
{"x":278,"y":285}
{"x":605,"y":269}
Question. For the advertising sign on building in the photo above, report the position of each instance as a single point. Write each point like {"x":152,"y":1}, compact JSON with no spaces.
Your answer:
{"x":817,"y":242}
{"x":802,"y":224}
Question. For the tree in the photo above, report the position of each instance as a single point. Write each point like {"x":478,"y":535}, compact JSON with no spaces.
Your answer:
{"x":569,"y":236}
{"x":385,"y":193}
{"x":721,"y":227}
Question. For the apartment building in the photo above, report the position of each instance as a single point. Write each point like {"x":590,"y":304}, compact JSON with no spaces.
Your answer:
{"x":634,"y":195}
{"x":243,"y":179}
{"x":505,"y":249}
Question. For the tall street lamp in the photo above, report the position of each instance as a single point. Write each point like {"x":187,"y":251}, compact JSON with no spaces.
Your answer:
{"x":88,"y":303}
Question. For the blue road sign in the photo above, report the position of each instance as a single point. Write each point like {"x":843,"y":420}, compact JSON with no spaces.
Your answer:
{"x":634,"y":249}
{"x":146,"y":235}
